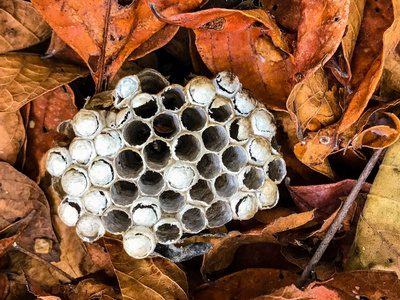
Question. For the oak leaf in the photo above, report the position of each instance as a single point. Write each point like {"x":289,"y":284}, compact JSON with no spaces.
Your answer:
{"x":105,"y":33}
{"x":12,"y":132}
{"x":22,"y":25}
{"x":26,"y":77}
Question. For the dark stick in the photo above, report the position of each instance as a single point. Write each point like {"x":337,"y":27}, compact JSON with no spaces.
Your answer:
{"x":337,"y":222}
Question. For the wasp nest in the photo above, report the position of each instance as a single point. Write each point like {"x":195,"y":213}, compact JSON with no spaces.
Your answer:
{"x":162,"y":160}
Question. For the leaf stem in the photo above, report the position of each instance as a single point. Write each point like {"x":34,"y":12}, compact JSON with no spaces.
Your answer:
{"x":337,"y":222}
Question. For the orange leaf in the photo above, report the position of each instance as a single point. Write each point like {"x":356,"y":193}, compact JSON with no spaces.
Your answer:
{"x":12,"y":132}
{"x":105,"y":33}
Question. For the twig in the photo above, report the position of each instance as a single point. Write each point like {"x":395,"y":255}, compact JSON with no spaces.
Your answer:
{"x":338,"y":219}
{"x":23,"y":250}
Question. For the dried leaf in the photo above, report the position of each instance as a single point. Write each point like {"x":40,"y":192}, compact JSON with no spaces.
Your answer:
{"x":377,"y":241}
{"x":287,"y":13}
{"x":22,"y":25}
{"x":248,"y":43}
{"x":112,"y":32}
{"x":246,"y":284}
{"x":4,"y":286}
{"x":18,"y":197}
{"x":26,"y":77}
{"x":373,"y":285}
{"x":46,"y":113}
{"x":12,"y":132}
{"x":150,"y":278}
{"x":223,"y":252}
{"x":291,"y":292}
{"x":60,"y":50}
{"x":320,"y":32}
{"x":313,"y":104}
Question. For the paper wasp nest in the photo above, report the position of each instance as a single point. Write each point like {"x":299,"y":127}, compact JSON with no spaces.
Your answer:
{"x":163,"y":160}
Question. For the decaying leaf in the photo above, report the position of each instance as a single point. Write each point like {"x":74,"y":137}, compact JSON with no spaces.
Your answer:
{"x":377,"y":240}
{"x":46,"y":113}
{"x":18,"y":197}
{"x":149,"y":278}
{"x":4,"y":286}
{"x":12,"y":133}
{"x":26,"y":77}
{"x":246,"y":284}
{"x":291,"y":292}
{"x":22,"y":25}
{"x":105,"y":34}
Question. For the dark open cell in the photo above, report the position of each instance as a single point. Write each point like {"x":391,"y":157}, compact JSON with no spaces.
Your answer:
{"x":234,"y":158}
{"x":157,"y":154}
{"x":136,"y":133}
{"x":173,"y":98}
{"x":193,"y":220}
{"x":226,"y":185}
{"x":209,"y":165}
{"x":151,"y":183}
{"x":165,"y":125}
{"x":124,"y":192}
{"x":202,"y":191}
{"x":171,"y":201}
{"x":218,"y":214}
{"x":147,"y":109}
{"x":215,"y":138}
{"x":129,"y":164}
{"x":167,"y":233}
{"x":117,"y":221}
{"x":187,"y":147}
{"x":193,"y":118}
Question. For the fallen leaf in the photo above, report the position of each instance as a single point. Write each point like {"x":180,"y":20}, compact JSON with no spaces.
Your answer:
{"x":4,"y":286}
{"x":46,"y":113}
{"x":373,"y":285}
{"x":22,"y":25}
{"x":60,"y":50}
{"x":246,"y":284}
{"x":320,"y":32}
{"x":223,"y":252}
{"x":112,"y":32}
{"x":377,"y":240}
{"x":26,"y":77}
{"x":149,"y":278}
{"x":291,"y":292}
{"x":287,"y":13}
{"x":37,"y":291}
{"x":18,"y":197}
{"x":248,"y":43}
{"x":12,"y":132}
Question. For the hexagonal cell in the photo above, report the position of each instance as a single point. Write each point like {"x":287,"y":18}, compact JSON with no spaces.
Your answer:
{"x":218,"y":214}
{"x":151,"y":183}
{"x":70,"y":210}
{"x":262,"y":122}
{"x":57,"y":161}
{"x":234,"y":158}
{"x":101,"y":172}
{"x":117,"y":220}
{"x":259,"y":150}
{"x":173,"y":97}
{"x":171,"y":202}
{"x":244,"y":102}
{"x":200,"y":91}
{"x":128,"y":164}
{"x":123,"y":193}
{"x":96,"y":201}
{"x":276,"y":168}
{"x":144,"y":105}
{"x":139,"y":242}
{"x":220,"y":110}
{"x":108,"y":143}
{"x":209,"y":166}
{"x":202,"y":191}
{"x":180,"y":176}
{"x":87,"y":123}
{"x":226,"y":185}
{"x":82,"y":151}
{"x":136,"y":133}
{"x":269,"y":195}
{"x":145,"y":211}
{"x":168,"y":231}
{"x":90,"y":228}
{"x":157,"y":154}
{"x":193,"y":219}
{"x":75,"y":181}
{"x":215,"y":138}
{"x":126,"y":88}
{"x":252,"y":178}
{"x":151,"y":81}
{"x":193,"y":118}
{"x":244,"y":206}
{"x":239,"y":129}
{"x":187,"y":147}
{"x":120,"y":118}
{"x":166,"y":125}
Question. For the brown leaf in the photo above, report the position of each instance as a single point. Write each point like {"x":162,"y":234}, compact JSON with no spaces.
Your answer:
{"x":291,"y":292}
{"x":12,"y":132}
{"x":26,"y":77}
{"x":223,"y":252}
{"x":246,"y":284}
{"x":287,"y":13}
{"x":4,"y":286}
{"x":22,"y":25}
{"x":374,"y":285}
{"x":46,"y":113}
{"x":59,"y":49}
{"x":248,"y":43}
{"x":320,"y":32}
{"x":150,"y":278}
{"x":112,"y":32}
{"x":18,"y":197}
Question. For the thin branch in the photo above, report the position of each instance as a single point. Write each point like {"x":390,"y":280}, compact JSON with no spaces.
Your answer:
{"x":23,"y":250}
{"x":338,"y":219}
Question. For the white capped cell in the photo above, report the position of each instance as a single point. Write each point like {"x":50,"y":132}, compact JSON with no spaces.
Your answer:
{"x":108,"y":143}
{"x":139,"y":242}
{"x":82,"y":151}
{"x":90,"y":228}
{"x":58,"y":159}
{"x":70,"y":210}
{"x":87,"y":123}
{"x":75,"y":181}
